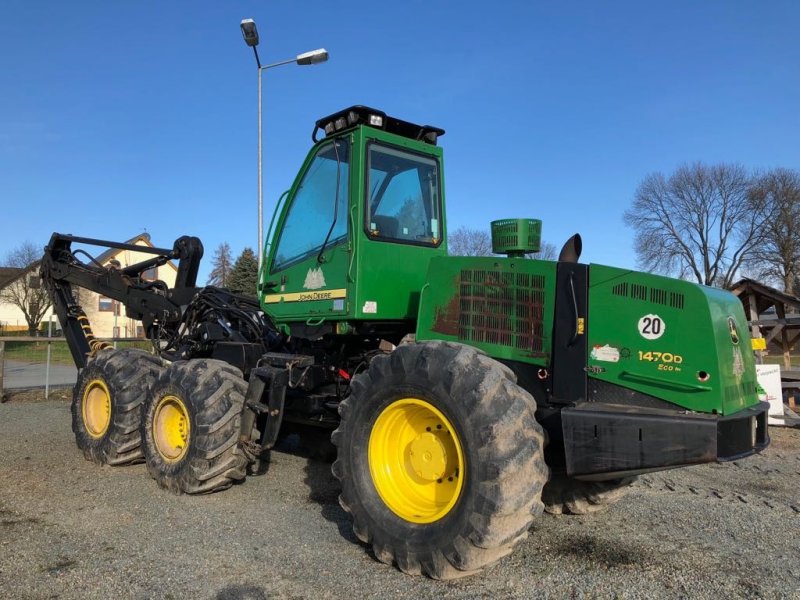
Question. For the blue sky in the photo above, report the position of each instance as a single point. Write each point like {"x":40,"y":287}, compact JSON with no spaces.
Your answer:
{"x":117,"y":117}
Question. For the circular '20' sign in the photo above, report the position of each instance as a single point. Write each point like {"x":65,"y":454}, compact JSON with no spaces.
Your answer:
{"x":651,"y":327}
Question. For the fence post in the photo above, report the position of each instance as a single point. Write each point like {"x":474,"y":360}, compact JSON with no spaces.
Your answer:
{"x":49,"y":355}
{"x":2,"y":366}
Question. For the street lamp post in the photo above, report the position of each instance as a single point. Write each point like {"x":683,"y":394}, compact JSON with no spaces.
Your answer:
{"x":250,"y":34}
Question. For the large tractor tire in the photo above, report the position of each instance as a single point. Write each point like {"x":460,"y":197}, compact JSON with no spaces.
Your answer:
{"x":440,"y":459}
{"x":564,"y":495}
{"x":107,"y":401}
{"x":190,"y":427}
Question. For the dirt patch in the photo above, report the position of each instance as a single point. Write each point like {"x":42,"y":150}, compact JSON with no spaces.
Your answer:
{"x":59,"y":566}
{"x":784,"y":438}
{"x":587,"y":547}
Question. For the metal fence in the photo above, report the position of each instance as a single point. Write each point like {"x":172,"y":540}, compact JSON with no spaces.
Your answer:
{"x":41,"y":362}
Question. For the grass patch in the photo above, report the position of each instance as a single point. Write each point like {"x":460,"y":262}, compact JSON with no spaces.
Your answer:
{"x":36,"y":352}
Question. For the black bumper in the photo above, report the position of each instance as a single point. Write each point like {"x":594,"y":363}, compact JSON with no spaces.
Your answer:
{"x":603,"y":441}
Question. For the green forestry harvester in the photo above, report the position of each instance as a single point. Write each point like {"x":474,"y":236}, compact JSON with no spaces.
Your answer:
{"x":466,"y":395}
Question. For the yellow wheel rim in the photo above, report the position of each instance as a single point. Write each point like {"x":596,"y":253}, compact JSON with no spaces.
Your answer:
{"x":416,"y":460}
{"x":96,"y":408}
{"x":171,"y":428}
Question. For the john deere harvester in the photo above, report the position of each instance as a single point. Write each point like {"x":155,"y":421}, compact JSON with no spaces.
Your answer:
{"x":465,"y":395}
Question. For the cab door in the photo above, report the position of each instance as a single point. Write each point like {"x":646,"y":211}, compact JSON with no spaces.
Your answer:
{"x":402,"y":226}
{"x":306,"y":272}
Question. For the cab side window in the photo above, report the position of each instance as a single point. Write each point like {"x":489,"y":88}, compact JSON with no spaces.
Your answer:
{"x":314,"y":214}
{"x":403,"y":196}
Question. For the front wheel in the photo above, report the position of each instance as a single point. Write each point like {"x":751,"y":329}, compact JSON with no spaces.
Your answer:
{"x":190,"y":427}
{"x":440,"y":459}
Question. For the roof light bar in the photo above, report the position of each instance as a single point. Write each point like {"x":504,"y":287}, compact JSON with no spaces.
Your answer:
{"x":363,"y":115}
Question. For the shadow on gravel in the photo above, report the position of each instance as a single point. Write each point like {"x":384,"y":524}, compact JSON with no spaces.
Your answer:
{"x":241,"y":592}
{"x":314,"y":444}
{"x":324,"y":490}
{"x":600,"y":551}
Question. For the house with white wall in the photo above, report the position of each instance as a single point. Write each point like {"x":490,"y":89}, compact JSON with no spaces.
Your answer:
{"x":12,"y":319}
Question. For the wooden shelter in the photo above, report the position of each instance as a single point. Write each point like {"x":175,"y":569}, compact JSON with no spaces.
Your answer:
{"x":781,"y":330}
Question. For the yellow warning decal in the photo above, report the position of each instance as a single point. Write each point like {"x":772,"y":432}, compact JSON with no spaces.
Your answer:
{"x":306,"y":296}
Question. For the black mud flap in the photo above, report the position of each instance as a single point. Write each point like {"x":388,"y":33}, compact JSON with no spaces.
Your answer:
{"x":603,"y":441}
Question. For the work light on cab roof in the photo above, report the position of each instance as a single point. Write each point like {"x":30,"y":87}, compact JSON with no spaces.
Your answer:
{"x":364,"y":115}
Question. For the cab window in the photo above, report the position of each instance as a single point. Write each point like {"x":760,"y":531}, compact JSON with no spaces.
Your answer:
{"x":403,"y":196}
{"x":314,"y":215}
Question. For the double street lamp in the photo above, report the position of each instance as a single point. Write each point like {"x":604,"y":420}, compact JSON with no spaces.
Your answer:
{"x":250,"y":34}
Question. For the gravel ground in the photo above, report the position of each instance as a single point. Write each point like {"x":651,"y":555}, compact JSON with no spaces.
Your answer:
{"x":71,"y":529}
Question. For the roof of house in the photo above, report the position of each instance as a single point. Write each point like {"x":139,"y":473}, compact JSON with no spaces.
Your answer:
{"x":764,"y":295}
{"x":8,"y":274}
{"x":11,"y":274}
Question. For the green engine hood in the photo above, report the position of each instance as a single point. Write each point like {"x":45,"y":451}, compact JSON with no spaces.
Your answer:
{"x":681,"y":342}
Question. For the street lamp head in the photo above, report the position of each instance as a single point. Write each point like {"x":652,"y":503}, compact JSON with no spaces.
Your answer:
{"x":249,"y":32}
{"x":312,"y":58}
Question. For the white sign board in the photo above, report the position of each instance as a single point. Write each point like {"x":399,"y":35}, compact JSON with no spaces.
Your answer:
{"x":769,"y":378}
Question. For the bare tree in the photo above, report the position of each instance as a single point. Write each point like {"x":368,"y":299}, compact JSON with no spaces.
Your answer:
{"x":469,"y":242}
{"x":777,"y":257}
{"x":701,"y":222}
{"x":222,"y":265}
{"x":25,"y":291}
{"x":476,"y":242}
{"x":547,"y":251}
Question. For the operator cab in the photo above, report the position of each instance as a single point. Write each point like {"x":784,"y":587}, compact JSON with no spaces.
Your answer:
{"x":358,"y":228}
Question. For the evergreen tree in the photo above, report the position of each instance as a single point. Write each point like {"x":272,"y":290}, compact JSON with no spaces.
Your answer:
{"x":222,"y":264}
{"x":244,"y":275}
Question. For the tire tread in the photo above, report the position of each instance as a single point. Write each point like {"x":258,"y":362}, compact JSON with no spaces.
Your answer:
{"x":129,"y":373}
{"x":215,"y":390}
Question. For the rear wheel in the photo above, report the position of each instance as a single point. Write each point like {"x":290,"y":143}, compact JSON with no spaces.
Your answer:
{"x":107,"y":401}
{"x":190,"y":427}
{"x":440,"y":459}
{"x":565,"y":495}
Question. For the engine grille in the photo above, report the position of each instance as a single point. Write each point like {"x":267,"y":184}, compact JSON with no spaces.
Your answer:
{"x":653,"y":295}
{"x":503,"y":308}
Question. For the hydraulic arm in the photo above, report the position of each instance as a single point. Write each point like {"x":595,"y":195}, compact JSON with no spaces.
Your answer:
{"x":153,"y":302}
